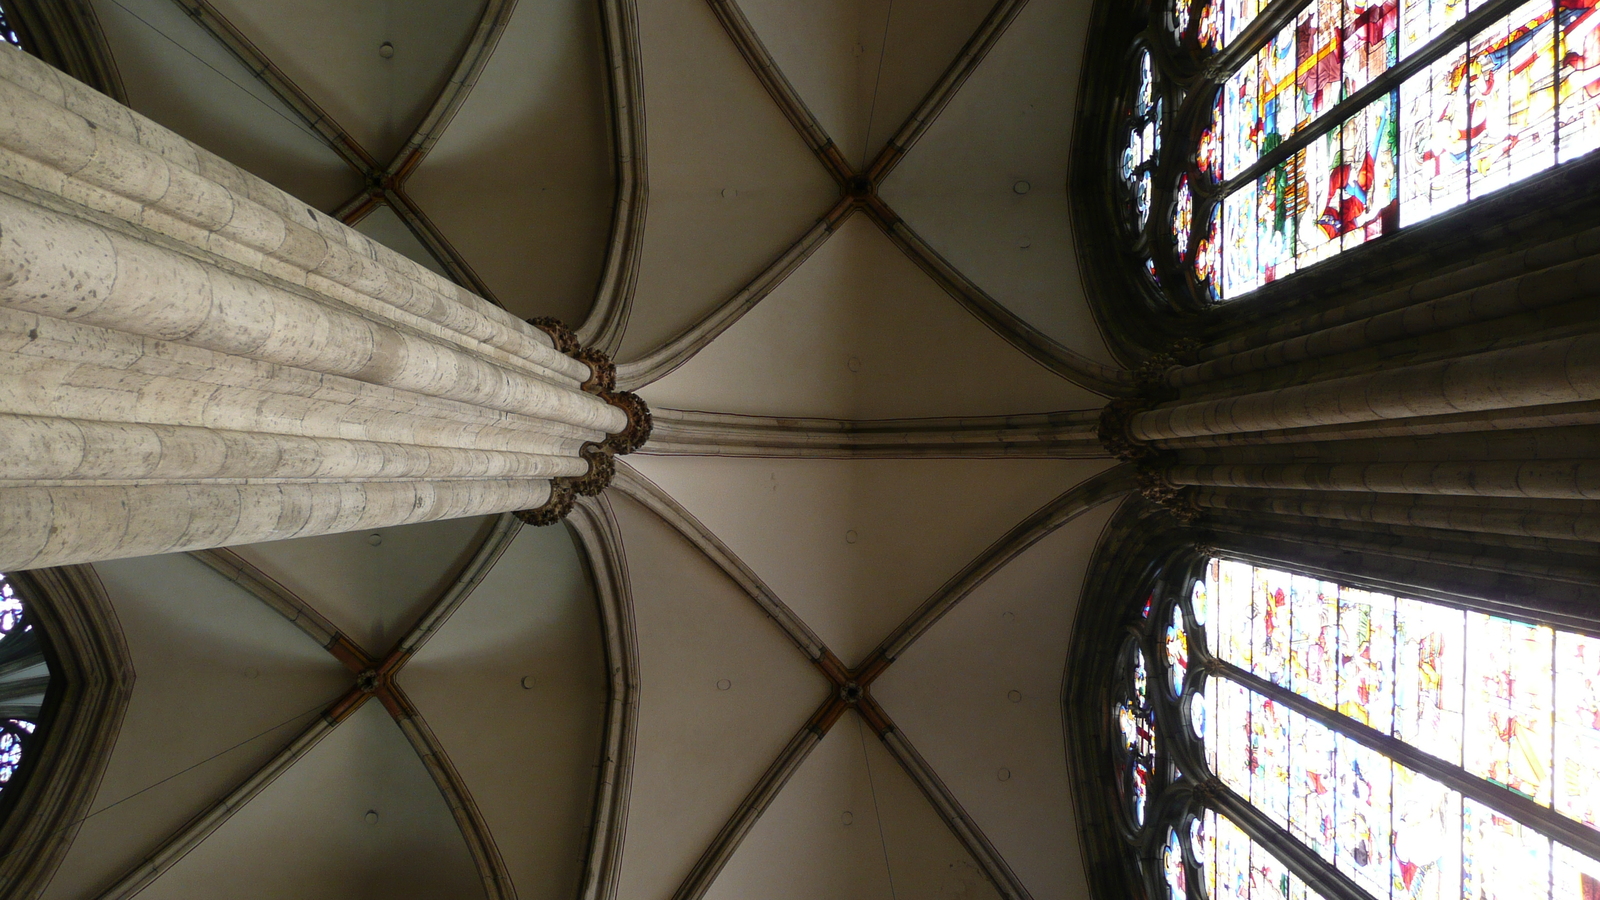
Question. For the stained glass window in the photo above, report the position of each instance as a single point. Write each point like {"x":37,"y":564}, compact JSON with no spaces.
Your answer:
{"x":7,"y":33}
{"x":24,"y":677}
{"x":1141,"y":145}
{"x":1412,"y":749}
{"x":1137,"y":730}
{"x":1337,"y":122}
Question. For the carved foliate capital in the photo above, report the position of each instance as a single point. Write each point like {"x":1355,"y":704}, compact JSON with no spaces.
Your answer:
{"x":1185,"y":350}
{"x":602,"y":372}
{"x":602,"y":468}
{"x":566,"y":342}
{"x":1113,"y":430}
{"x":555,"y":509}
{"x":1152,"y":373}
{"x":1175,"y":499}
{"x":640,"y":423}
{"x":602,"y":383}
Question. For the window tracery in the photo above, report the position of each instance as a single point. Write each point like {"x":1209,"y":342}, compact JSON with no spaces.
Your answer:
{"x":8,"y":33}
{"x":1376,"y":745}
{"x":24,"y":678}
{"x":1302,"y":130}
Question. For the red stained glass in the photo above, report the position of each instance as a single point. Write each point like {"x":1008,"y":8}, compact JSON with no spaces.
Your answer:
{"x":1511,"y":98}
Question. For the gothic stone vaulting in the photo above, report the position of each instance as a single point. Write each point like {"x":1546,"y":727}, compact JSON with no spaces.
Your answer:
{"x":913,"y":347}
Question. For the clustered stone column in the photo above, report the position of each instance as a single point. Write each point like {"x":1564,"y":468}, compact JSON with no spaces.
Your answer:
{"x":191,"y":358}
{"x":1453,"y":422}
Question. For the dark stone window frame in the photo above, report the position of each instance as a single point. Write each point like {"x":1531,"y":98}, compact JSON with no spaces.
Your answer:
{"x":1140,"y":317}
{"x":91,"y":683}
{"x":1144,"y":553}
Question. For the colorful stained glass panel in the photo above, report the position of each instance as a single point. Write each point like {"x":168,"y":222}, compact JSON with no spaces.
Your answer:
{"x":1430,"y":664}
{"x":1172,"y":867}
{"x":1500,"y":859}
{"x":10,"y":607}
{"x":1316,"y":199}
{"x":1577,"y":739}
{"x":1574,"y":876}
{"x":1362,"y":842}
{"x":1427,"y":838}
{"x":1177,"y":640}
{"x":1314,"y":639}
{"x":1234,"y":610}
{"x":1422,"y":20}
{"x":1366,"y":657}
{"x":1232,"y":755}
{"x":1368,"y":204}
{"x":1241,"y":134}
{"x":1241,"y":272}
{"x":1237,"y":16}
{"x":1183,"y":218}
{"x":1319,"y":40}
{"x":1507,"y":705}
{"x":1433,"y":153}
{"x":1579,"y":87}
{"x":1313,"y":785}
{"x":1270,"y":592}
{"x":1269,"y":758}
{"x":1372,"y":41}
{"x":1511,"y":98}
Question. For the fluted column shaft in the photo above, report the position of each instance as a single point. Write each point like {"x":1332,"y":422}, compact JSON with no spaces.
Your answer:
{"x":191,"y":358}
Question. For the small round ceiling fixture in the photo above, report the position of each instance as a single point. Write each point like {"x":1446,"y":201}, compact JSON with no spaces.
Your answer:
{"x":847,"y":817}
{"x":724,"y":684}
{"x":371,"y":817}
{"x":1022,"y":187}
{"x":1014,"y":696}
{"x":374,"y":539}
{"x":850,"y":537}
{"x":386,"y":50}
{"x":527,"y":682}
{"x":1003,"y":773}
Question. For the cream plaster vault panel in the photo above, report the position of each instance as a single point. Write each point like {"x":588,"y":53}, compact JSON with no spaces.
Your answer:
{"x":386,"y":227}
{"x":522,"y":183}
{"x":374,"y":590}
{"x":514,"y":687}
{"x":219,"y":674}
{"x":1011,"y":122}
{"x":722,"y":690}
{"x":854,"y":546}
{"x":731,"y":183}
{"x":836,"y":55}
{"x":851,"y":823}
{"x":310,"y":833}
{"x":331,"y":50}
{"x":979,"y":696}
{"x":859,"y":332}
{"x":180,"y":76}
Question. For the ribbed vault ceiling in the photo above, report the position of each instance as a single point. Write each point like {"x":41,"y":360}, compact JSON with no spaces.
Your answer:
{"x":845,"y":210}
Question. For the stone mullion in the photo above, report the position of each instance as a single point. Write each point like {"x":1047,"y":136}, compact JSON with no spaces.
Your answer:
{"x":1318,"y":873}
{"x":1529,"y":812}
